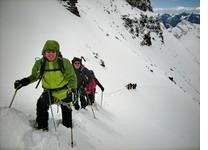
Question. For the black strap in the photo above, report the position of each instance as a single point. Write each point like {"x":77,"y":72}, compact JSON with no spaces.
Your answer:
{"x":57,"y":89}
{"x":61,"y":63}
{"x":48,"y":70}
{"x":42,"y":67}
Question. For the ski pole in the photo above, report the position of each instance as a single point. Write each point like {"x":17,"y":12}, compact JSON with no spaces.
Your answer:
{"x":49,"y":95}
{"x":101,"y":99}
{"x":13,"y":98}
{"x":91,"y":106}
{"x":10,"y":105}
{"x":72,"y":140}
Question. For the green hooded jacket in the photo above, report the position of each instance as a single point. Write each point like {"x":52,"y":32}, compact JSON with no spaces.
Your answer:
{"x":53,"y":79}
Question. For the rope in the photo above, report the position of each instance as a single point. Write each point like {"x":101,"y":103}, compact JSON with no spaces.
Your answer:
{"x":118,"y":91}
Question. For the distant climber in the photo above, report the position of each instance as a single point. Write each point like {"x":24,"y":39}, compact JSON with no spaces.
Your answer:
{"x":131,"y":86}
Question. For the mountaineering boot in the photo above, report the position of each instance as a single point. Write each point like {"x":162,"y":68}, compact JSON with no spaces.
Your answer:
{"x":45,"y":129}
{"x":38,"y":127}
{"x":76,"y":105}
{"x":83,"y":101}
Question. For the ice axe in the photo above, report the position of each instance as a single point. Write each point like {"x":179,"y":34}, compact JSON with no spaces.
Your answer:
{"x":83,"y":58}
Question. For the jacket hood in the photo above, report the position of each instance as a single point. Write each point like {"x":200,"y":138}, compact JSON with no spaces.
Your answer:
{"x":51,"y":45}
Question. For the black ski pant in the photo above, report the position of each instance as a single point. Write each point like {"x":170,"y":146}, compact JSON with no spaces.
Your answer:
{"x":43,"y":104}
{"x":91,"y":97}
{"x":83,"y":102}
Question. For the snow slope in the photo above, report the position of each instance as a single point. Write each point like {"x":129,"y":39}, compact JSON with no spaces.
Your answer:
{"x":157,"y":115}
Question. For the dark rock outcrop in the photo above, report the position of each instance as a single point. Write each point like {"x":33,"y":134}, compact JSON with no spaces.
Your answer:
{"x":71,"y":6}
{"x":144,"y":5}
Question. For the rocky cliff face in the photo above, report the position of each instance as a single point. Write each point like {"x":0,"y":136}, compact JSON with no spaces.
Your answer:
{"x":143,"y":27}
{"x":144,"y":5}
{"x":71,"y":6}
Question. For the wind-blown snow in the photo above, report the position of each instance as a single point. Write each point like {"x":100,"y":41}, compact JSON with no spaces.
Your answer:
{"x":157,"y":115}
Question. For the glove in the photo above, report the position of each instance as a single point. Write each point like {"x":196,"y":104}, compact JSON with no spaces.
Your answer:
{"x":102,"y":88}
{"x":73,"y":90}
{"x":74,"y":98}
{"x":20,"y":83}
{"x":72,"y":94}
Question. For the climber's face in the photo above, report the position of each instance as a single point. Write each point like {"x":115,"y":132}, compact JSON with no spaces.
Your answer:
{"x":77,"y":64}
{"x":50,"y":55}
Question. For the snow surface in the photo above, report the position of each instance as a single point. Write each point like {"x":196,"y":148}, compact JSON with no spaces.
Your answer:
{"x":157,"y":115}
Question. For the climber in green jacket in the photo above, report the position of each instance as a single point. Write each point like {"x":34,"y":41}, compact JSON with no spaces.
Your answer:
{"x":59,"y":81}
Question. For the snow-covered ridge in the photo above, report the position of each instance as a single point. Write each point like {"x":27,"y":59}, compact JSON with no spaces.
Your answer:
{"x":184,"y":28}
{"x":177,"y":10}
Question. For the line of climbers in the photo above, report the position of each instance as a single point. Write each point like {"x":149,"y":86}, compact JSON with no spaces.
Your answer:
{"x":131,"y":86}
{"x":61,"y":80}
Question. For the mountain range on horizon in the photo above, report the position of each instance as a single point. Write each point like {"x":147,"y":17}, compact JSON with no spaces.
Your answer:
{"x":170,"y":20}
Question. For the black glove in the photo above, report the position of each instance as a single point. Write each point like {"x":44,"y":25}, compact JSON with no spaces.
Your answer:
{"x":72,"y":94}
{"x":74,"y":91}
{"x":102,"y":88}
{"x":20,"y":83}
{"x":74,"y":99}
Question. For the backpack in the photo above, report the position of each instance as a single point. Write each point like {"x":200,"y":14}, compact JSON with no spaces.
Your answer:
{"x":90,"y":88}
{"x":92,"y":73}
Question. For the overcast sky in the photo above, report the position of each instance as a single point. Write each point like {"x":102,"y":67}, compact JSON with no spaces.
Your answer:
{"x":175,"y":3}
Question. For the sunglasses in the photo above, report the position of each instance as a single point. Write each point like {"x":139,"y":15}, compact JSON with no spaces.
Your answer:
{"x":77,"y":63}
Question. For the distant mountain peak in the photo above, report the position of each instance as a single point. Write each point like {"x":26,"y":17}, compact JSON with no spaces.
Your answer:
{"x":172,"y":20}
{"x":184,"y":28}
